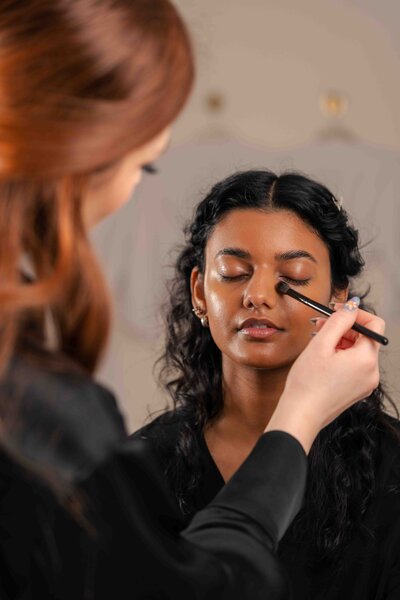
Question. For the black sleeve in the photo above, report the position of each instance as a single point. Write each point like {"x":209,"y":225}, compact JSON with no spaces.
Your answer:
{"x":228,"y":549}
{"x":393,"y":592}
{"x":57,"y":429}
{"x":128,"y":546}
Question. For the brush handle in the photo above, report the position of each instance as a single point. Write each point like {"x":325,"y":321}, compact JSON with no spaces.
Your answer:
{"x":325,"y":310}
{"x":371,"y":334}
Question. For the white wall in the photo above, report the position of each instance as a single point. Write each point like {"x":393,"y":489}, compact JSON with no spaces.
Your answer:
{"x":272,"y":59}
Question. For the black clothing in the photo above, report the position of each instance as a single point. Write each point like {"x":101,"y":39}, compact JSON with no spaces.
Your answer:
{"x":127,"y":540}
{"x":369,"y":568}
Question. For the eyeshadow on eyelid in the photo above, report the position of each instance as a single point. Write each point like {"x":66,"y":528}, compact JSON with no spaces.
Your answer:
{"x":230,"y":273}
{"x":299,"y":269}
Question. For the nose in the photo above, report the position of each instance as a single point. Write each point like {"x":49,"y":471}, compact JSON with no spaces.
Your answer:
{"x":260,"y":291}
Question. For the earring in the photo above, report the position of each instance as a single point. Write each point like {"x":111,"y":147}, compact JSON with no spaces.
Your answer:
{"x":200,"y":313}
{"x":197,"y":311}
{"x":204,"y":321}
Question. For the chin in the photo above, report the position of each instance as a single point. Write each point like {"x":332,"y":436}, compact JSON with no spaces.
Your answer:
{"x":271,"y":361}
{"x":120,"y":203}
{"x":267,"y":358}
{"x":268,"y":365}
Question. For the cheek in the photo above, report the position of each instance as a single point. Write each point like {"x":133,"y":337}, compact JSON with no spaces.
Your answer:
{"x":122,"y":188}
{"x":110,"y":191}
{"x":221,"y":310}
{"x":216,"y":304}
{"x":299,"y":326}
{"x":299,"y":315}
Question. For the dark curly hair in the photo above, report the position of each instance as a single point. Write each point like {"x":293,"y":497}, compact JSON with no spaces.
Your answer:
{"x":343,"y":457}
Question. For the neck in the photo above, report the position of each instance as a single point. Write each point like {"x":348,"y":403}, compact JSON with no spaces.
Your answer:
{"x":250,"y":398}
{"x":251,"y":395}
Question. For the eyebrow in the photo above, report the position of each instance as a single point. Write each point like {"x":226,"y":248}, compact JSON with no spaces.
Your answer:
{"x":279,"y":257}
{"x":238,"y":252}
{"x":293,"y":254}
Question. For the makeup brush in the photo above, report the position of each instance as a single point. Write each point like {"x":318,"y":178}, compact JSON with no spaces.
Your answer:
{"x":283,"y":288}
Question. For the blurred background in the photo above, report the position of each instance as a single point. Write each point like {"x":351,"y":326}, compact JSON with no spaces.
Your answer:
{"x":312,"y":86}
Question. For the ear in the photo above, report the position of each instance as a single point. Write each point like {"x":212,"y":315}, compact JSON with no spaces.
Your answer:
{"x":340,"y":295}
{"x":197,"y":289}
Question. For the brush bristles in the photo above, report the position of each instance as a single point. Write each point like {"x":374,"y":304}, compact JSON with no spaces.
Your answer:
{"x":282,"y":287}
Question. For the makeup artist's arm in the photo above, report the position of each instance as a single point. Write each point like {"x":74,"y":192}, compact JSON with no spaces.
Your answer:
{"x":393,"y":591}
{"x":227,"y":553}
{"x":324,"y":381}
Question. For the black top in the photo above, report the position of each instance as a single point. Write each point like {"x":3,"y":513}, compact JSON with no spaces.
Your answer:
{"x":126,"y":537}
{"x":369,"y":568}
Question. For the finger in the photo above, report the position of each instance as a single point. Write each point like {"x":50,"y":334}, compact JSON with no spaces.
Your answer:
{"x":345,"y":344}
{"x":365,"y":343}
{"x":319,"y":323}
{"x":371,"y":321}
{"x":367,"y":319}
{"x":338,"y":324}
{"x":351,"y":336}
{"x":346,"y":341}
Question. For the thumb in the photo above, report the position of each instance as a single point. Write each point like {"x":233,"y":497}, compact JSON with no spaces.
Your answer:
{"x":339,"y":323}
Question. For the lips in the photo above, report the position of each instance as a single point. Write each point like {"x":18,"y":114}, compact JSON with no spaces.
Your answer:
{"x":258,"y":324}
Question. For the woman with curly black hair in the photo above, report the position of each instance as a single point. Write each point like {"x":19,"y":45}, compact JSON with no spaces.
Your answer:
{"x":231,"y":341}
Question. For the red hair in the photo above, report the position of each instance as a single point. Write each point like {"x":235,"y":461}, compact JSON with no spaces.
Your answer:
{"x":82,"y":83}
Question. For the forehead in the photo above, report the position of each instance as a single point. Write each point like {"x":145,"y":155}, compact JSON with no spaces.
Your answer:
{"x":264,"y":234}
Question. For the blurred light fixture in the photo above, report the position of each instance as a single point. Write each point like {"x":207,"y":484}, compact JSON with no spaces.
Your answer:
{"x":333,"y":104}
{"x":215,"y":102}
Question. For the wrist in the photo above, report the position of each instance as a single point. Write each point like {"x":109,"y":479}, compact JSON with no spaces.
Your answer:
{"x":296,"y":422}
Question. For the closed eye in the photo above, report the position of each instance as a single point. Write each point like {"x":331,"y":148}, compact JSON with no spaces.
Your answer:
{"x":296,"y":281}
{"x":233,"y":277}
{"x":290,"y":280}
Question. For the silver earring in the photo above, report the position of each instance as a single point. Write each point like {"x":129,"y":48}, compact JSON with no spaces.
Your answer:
{"x":204,"y":321}
{"x":200,"y":313}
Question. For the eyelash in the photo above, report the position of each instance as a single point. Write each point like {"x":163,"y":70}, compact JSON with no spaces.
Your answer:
{"x":150,"y":169}
{"x":227,"y":278}
{"x":297,"y":281}
{"x":288,"y":279}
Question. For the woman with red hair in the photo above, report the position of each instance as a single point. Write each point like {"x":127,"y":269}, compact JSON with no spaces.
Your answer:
{"x":88,"y":92}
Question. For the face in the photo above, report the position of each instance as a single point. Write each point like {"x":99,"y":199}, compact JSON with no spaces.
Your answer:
{"x":247,"y":254}
{"x":112,"y":188}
